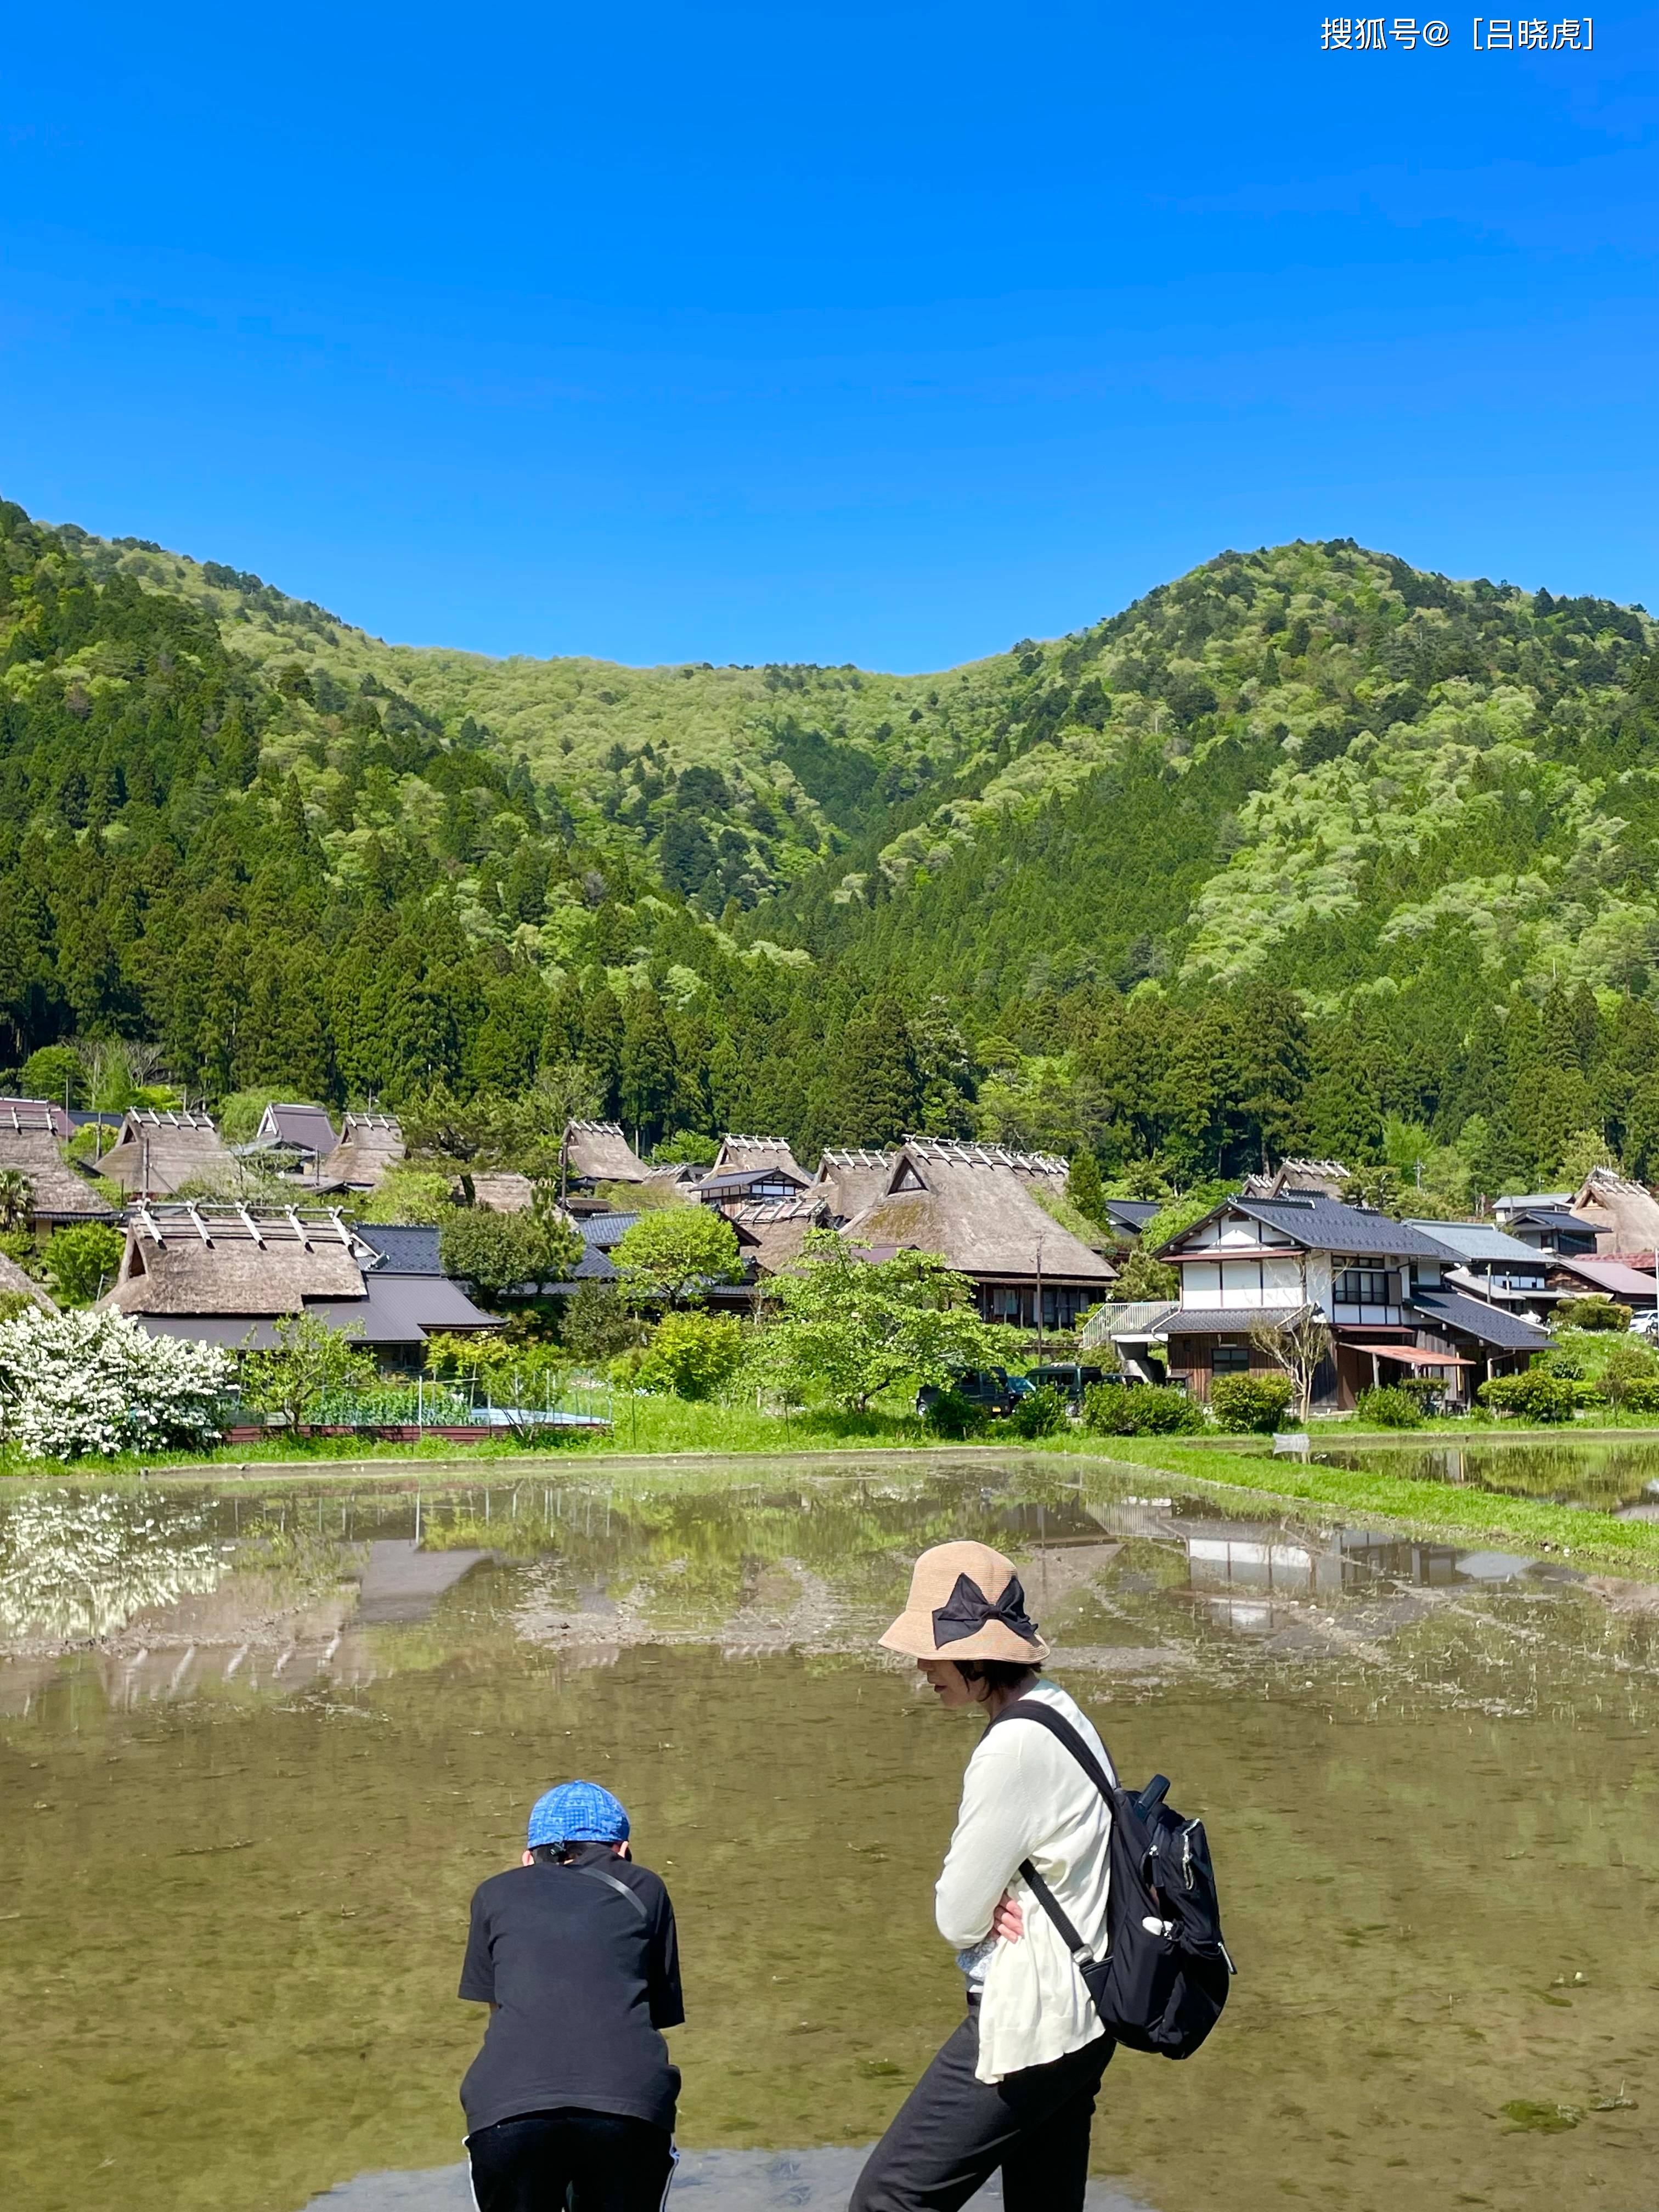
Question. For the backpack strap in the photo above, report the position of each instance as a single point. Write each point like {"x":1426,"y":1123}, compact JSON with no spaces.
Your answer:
{"x":1056,"y":1913}
{"x":598,"y":1874}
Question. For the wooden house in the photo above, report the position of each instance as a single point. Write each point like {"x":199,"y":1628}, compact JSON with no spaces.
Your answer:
{"x":1380,"y":1285}
{"x":1624,"y":1215}
{"x":749,"y":1170}
{"x":598,"y":1151}
{"x":303,"y":1133}
{"x":59,"y":1196}
{"x":156,"y":1151}
{"x":851,"y":1178}
{"x":13,"y":1283}
{"x":971,"y":1205}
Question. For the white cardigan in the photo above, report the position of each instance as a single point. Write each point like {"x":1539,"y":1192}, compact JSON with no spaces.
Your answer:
{"x":1025,"y":1797}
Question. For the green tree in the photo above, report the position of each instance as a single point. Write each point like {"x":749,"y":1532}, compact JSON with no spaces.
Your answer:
{"x":500,"y":1253}
{"x":878,"y":1086}
{"x":81,"y":1263}
{"x":16,"y":1200}
{"x":1085,"y":1188}
{"x":424,"y":1195}
{"x":848,"y":1328}
{"x":56,"y":1072}
{"x":648,"y":1073}
{"x":310,"y":1364}
{"x":676,"y":1254}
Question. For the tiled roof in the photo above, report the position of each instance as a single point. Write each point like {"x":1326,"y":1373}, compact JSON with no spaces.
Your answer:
{"x":405,"y":1248}
{"x":1463,"y":1316}
{"x":1226,"y":1320}
{"x":1325,"y":1224}
{"x":1479,"y":1240}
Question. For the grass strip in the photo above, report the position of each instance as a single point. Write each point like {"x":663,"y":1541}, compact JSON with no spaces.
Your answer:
{"x":1424,"y":1508}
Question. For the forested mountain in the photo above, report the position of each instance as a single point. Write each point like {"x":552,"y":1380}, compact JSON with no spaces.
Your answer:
{"x":1306,"y":850}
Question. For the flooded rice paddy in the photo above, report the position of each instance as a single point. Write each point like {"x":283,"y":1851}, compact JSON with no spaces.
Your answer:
{"x":1615,"y":1475}
{"x":259,"y":1743}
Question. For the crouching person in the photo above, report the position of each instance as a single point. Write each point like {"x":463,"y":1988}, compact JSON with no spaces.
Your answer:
{"x":574,"y":1953}
{"x":1014,"y":2087}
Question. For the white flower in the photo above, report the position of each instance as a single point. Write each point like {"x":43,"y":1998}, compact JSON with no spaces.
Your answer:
{"x":87,"y":1385}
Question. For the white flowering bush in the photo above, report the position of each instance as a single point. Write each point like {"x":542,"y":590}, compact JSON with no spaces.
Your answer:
{"x":90,"y":1385}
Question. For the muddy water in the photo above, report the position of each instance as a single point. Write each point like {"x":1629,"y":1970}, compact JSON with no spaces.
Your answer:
{"x":1614,"y":1476}
{"x":256,"y":1750}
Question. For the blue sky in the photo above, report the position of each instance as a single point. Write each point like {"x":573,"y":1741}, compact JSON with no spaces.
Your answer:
{"x":885,"y":334}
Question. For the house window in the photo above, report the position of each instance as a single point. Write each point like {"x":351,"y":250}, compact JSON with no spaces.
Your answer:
{"x":1365,"y":1286}
{"x":1230,"y":1358}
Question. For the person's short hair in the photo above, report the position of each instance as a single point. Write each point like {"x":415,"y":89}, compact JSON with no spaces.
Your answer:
{"x":996,"y":1674}
{"x":555,"y":1853}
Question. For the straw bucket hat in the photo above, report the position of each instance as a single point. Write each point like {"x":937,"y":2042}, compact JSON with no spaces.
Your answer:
{"x":965,"y":1602}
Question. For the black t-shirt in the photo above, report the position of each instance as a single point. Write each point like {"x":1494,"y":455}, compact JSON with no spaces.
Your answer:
{"x":585,"y":1979}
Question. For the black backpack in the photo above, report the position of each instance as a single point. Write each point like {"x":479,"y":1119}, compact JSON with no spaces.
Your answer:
{"x":1164,"y":1980}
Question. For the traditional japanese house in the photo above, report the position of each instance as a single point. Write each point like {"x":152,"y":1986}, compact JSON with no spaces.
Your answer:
{"x":1635,"y":1287}
{"x":369,"y":1144}
{"x":851,"y":1178}
{"x":59,"y":1196}
{"x":1489,"y":1263}
{"x":13,"y":1283}
{"x":596,"y":1152}
{"x":1624,"y":1216}
{"x":978,"y":1213}
{"x":1545,"y":1219}
{"x":749,"y":1169}
{"x":303,"y":1136}
{"x":1379,"y":1285}
{"x":159,"y":1150}
{"x":228,"y":1274}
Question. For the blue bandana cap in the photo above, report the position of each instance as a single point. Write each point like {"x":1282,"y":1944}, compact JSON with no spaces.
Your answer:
{"x":577,"y":1812}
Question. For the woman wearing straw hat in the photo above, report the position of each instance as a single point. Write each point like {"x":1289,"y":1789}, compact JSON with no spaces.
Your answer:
{"x":1014,"y":2087}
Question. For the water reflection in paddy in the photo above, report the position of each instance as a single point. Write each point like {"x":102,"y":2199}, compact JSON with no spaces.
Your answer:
{"x":1619,"y":1476}
{"x":241,"y":1822}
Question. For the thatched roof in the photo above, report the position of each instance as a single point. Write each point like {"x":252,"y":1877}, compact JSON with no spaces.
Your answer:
{"x":1624,"y":1215}
{"x":851,"y":1178}
{"x":1047,"y":1167}
{"x":369,"y":1144}
{"x":598,"y":1151}
{"x":755,"y":1155}
{"x":771,"y":1231}
{"x":235,"y":1260}
{"x":157,"y":1151}
{"x":978,"y":1213}
{"x":13,"y":1280}
{"x":1315,"y":1178}
{"x":57,"y":1194}
{"x":498,"y":1190}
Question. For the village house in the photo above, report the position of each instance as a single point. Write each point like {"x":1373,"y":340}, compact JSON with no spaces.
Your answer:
{"x":1635,"y":1287}
{"x":1380,"y":1285}
{"x":1624,"y":1216}
{"x":31,"y":1131}
{"x":1545,"y":1219}
{"x":969,"y":1203}
{"x":751,"y":1169}
{"x":369,"y":1144}
{"x":851,"y":1178}
{"x":158,"y":1150}
{"x":228,"y":1274}
{"x":300,"y":1138}
{"x":1490,"y":1264}
{"x":771,"y":1231}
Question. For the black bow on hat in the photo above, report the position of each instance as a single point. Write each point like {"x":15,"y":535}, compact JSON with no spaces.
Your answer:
{"x":967,"y":1610}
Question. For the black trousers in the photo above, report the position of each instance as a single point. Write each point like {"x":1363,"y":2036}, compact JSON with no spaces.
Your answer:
{"x":589,"y":2161}
{"x":952,"y":2132}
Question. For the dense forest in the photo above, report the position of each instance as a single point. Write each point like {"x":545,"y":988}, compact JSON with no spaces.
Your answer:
{"x":1307,"y":851}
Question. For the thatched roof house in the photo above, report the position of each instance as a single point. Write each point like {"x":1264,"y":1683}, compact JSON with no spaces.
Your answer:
{"x":157,"y":1151}
{"x":13,"y":1281}
{"x":851,"y":1178}
{"x":1308,"y":1178}
{"x":370,"y":1144}
{"x":978,"y":1212}
{"x":296,"y":1128}
{"x":598,"y":1151}
{"x":227,"y":1274}
{"x":499,"y":1190}
{"x":1624,"y":1216}
{"x":59,"y":1198}
{"x":758,"y":1155}
{"x":771,"y":1231}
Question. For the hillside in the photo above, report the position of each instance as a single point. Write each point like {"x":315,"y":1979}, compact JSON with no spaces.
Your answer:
{"x":1307,"y":848}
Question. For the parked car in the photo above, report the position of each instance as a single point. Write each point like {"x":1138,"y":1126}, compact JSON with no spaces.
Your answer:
{"x":1070,"y":1378}
{"x":992,"y":1388}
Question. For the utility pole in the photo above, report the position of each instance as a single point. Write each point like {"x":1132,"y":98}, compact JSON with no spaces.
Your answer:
{"x":1039,"y":1299}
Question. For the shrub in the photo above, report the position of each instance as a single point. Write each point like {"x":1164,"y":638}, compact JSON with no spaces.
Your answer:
{"x":1041,"y":1413}
{"x":1251,"y":1405}
{"x":1591,"y":1313}
{"x":1139,"y":1409}
{"x":84,"y":1385}
{"x":1534,"y":1396}
{"x":950,"y":1414}
{"x":1642,"y":1395}
{"x":1626,"y":1364}
{"x":1389,"y":1407}
{"x":691,"y":1355}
